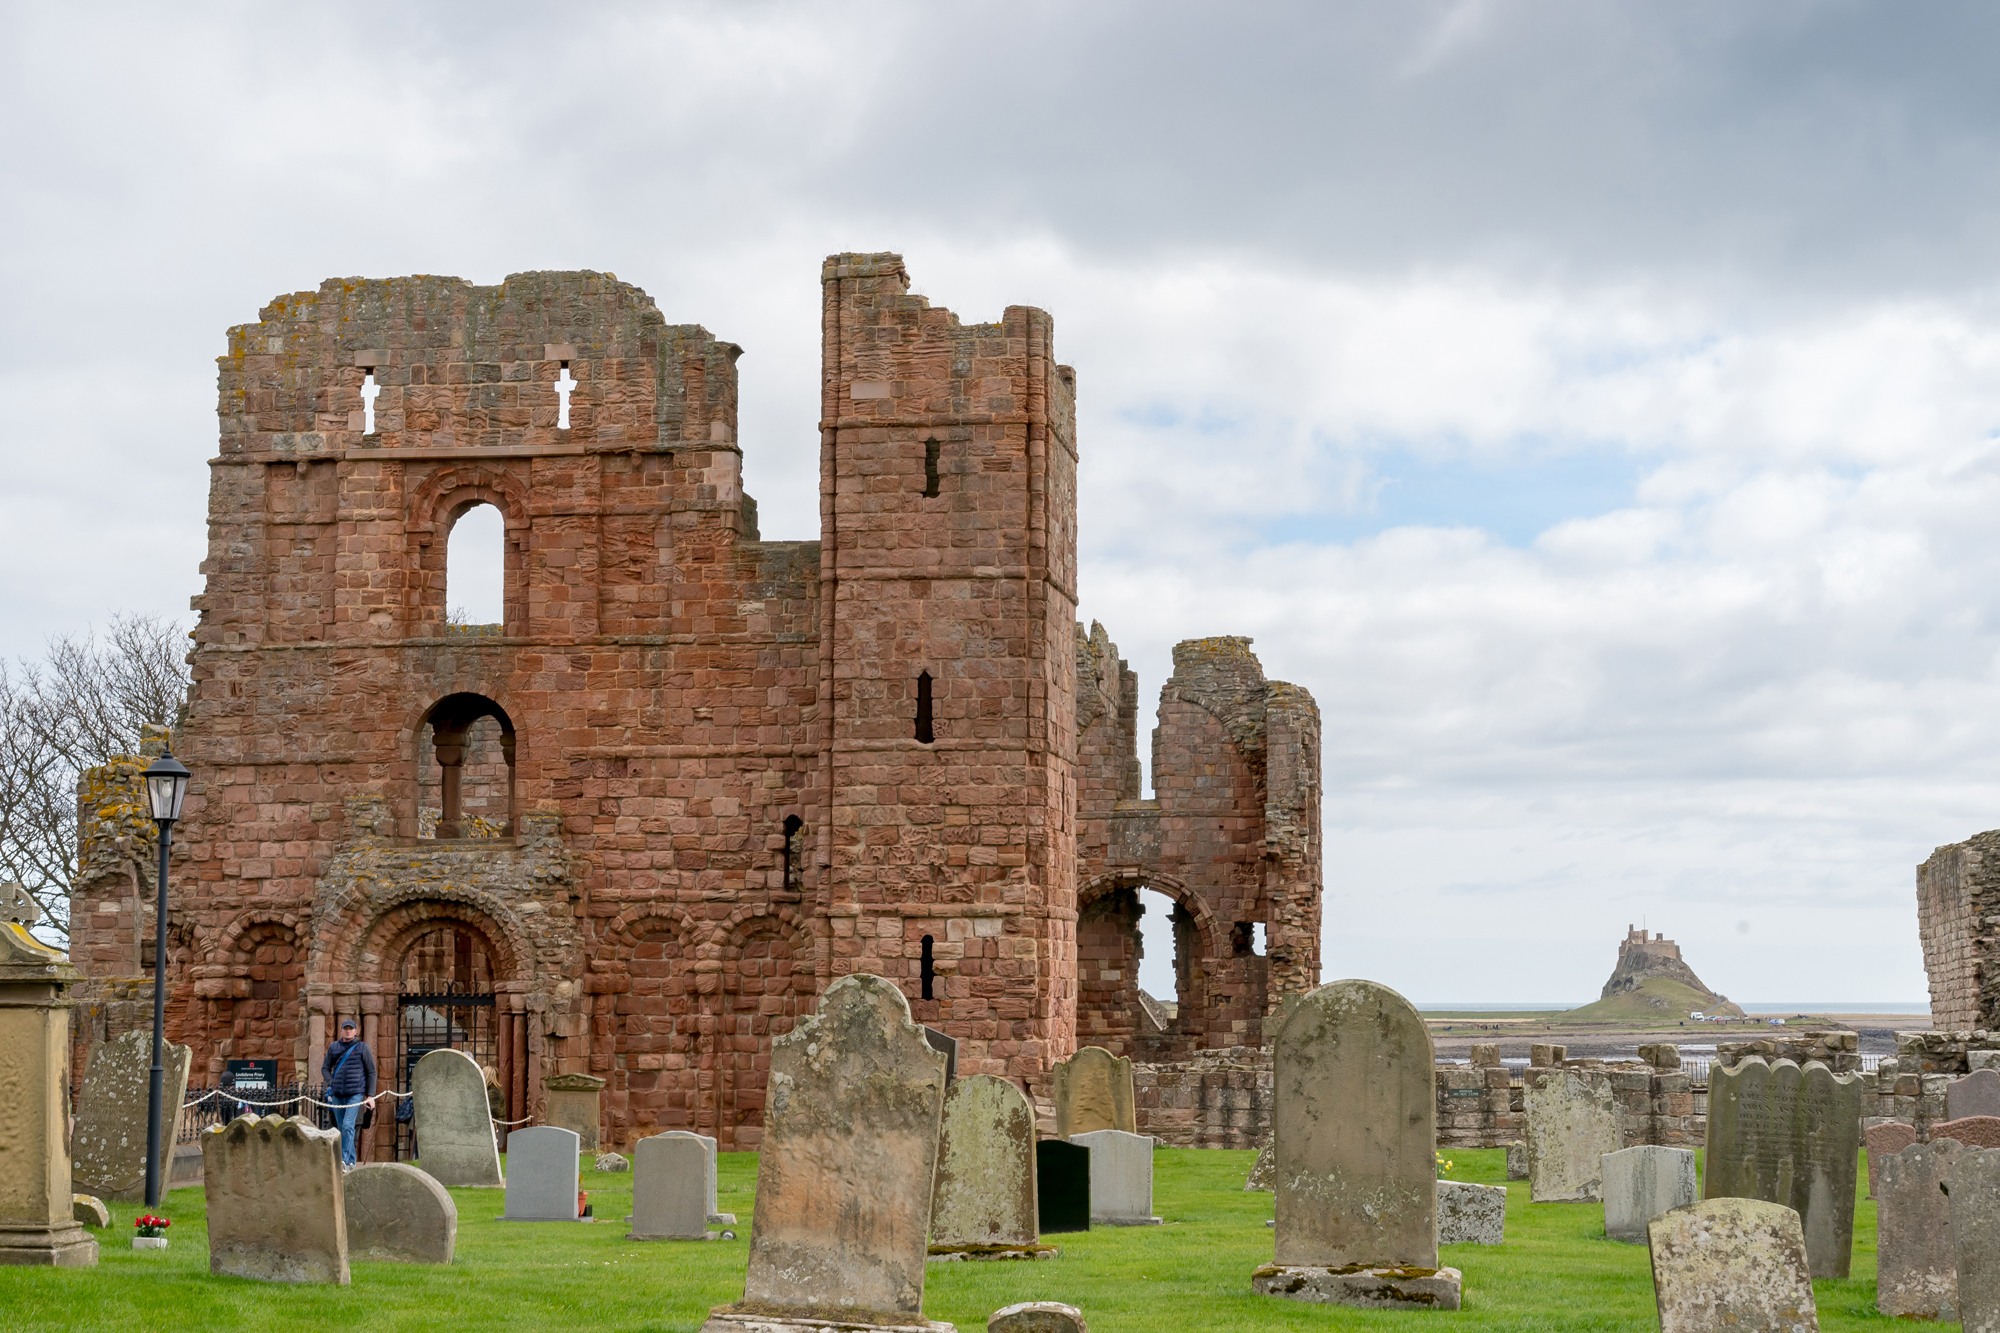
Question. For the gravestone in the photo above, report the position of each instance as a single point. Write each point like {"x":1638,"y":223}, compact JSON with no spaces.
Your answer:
{"x":1517,"y":1161}
{"x":1641,"y":1183}
{"x":1978,"y":1093}
{"x":1355,"y":1118}
{"x":845,"y":1169}
{"x":276,"y":1209}
{"x":1062,"y":1186}
{"x":1037,"y":1317}
{"x":89,"y":1210}
{"x":573,"y":1104}
{"x":983,"y":1206}
{"x":612,"y":1162}
{"x":1735,"y":1264}
{"x":453,"y":1123}
{"x":39,"y":1211}
{"x":1260,"y":1172}
{"x":708,"y":1153}
{"x":1792,"y":1136}
{"x":947,"y":1046}
{"x":672,"y":1188}
{"x":1915,"y":1271}
{"x":1471,"y":1214}
{"x":109,"y":1142}
{"x":1093,"y":1090}
{"x":1121,"y":1177}
{"x":398,"y":1214}
{"x":1889,"y":1137}
{"x":1572,"y":1125}
{"x":1973,"y":1203}
{"x":543,"y":1174}
{"x":1974,"y":1131}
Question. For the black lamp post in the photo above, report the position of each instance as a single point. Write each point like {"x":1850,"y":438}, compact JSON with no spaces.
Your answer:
{"x":166,"y":787}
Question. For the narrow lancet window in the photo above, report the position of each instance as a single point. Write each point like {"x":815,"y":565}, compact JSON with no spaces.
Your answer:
{"x":927,"y":969}
{"x":924,"y":707}
{"x":930,"y":467}
{"x":794,"y":866}
{"x":369,"y":390}
{"x":563,"y":386}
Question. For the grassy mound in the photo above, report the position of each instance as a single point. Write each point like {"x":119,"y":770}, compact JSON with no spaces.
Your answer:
{"x":1657,"y":999}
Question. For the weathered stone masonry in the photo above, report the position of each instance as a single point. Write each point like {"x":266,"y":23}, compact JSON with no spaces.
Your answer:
{"x":692,"y":776}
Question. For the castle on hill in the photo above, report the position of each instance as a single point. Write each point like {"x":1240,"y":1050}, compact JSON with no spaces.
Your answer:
{"x":1641,"y":958}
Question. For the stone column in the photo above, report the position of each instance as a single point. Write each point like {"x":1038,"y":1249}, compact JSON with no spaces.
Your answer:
{"x":37,"y":1221}
{"x":449,"y":746}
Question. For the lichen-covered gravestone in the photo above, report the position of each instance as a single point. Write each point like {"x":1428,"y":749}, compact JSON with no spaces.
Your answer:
{"x":276,"y":1209}
{"x":1354,"y":1132}
{"x":109,"y":1144}
{"x":1973,"y":1189}
{"x":1572,"y":1124}
{"x":1037,"y":1317}
{"x":1915,"y":1271}
{"x":1735,"y":1264}
{"x":398,"y":1214}
{"x":1641,"y":1183}
{"x":672,"y":1189}
{"x":542,"y":1174}
{"x":1260,"y":1172}
{"x":1884,"y":1140}
{"x":1978,"y":1093}
{"x":1093,"y":1090}
{"x":453,"y":1122}
{"x":844,"y":1171}
{"x":1792,"y":1136}
{"x":984,"y":1204}
{"x":1471,"y":1214}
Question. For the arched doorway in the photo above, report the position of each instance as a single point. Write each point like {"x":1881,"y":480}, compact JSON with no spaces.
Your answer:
{"x":445,"y":999}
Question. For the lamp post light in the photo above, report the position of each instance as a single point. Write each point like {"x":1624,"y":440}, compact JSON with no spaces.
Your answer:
{"x":166,"y":787}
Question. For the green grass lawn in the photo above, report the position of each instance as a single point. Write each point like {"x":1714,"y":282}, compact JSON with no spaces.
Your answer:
{"x":1556,"y":1272}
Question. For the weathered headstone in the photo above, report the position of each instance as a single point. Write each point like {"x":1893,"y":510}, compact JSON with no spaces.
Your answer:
{"x":1062,"y":1186}
{"x":845,"y":1169}
{"x":1974,"y":1131}
{"x":1978,"y":1093}
{"x":1915,"y":1271}
{"x":1735,"y":1264}
{"x":1792,"y":1136}
{"x":1037,"y":1317}
{"x":671,"y":1184}
{"x":1121,"y":1177}
{"x":1355,"y":1119}
{"x":1093,"y":1090}
{"x":543,"y":1174}
{"x":984,"y":1203}
{"x":573,"y":1104}
{"x":1260,"y":1172}
{"x":946,"y":1045}
{"x":1641,"y":1183}
{"x":1471,"y":1214}
{"x":38,"y":1208}
{"x":1517,"y":1161}
{"x":453,"y":1122}
{"x":398,"y":1214}
{"x":1572,"y":1123}
{"x":89,"y":1210}
{"x":110,"y":1138}
{"x":276,"y":1210}
{"x":611,"y":1162}
{"x":1973,"y":1189}
{"x":1884,"y":1140}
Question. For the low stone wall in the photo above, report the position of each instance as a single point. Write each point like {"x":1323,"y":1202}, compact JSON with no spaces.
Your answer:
{"x":1217,"y":1099}
{"x":1910,"y":1087}
{"x":1478,"y":1106}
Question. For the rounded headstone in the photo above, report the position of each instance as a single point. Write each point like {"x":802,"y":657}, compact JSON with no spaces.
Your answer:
{"x":90,"y":1210}
{"x":453,"y":1122}
{"x":399,"y":1214}
{"x":1037,"y":1317}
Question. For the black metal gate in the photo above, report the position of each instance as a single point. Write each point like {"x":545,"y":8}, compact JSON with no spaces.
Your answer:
{"x":453,"y":1020}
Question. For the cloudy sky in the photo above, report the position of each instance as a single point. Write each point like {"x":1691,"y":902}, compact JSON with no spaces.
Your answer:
{"x":1596,"y":406}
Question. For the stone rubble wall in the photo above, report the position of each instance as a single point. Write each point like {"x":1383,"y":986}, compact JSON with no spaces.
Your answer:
{"x":1958,"y":919}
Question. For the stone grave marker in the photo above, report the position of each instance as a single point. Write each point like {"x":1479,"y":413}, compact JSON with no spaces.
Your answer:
{"x":1471,"y":1214}
{"x":1792,"y":1136}
{"x":1121,"y":1178}
{"x":1915,"y":1271}
{"x":1974,"y":1131}
{"x":1355,"y":1118}
{"x":276,"y":1209}
{"x":672,"y":1188}
{"x":1572,"y":1125}
{"x":39,"y":1212}
{"x":947,"y":1046}
{"x":1094,"y":1091}
{"x":1037,"y":1317}
{"x":1517,"y":1161}
{"x":1978,"y":1093}
{"x":1973,"y":1203}
{"x":398,"y":1214}
{"x":1736,"y":1264}
{"x":1883,"y":1140}
{"x":611,"y":1162}
{"x":1641,"y":1183}
{"x":1260,"y":1172}
{"x":543,"y":1174}
{"x":109,"y":1141}
{"x":845,"y":1169}
{"x":574,"y":1101}
{"x":1062,"y":1186}
{"x":983,"y":1206}
{"x":453,"y":1123}
{"x":89,"y":1210}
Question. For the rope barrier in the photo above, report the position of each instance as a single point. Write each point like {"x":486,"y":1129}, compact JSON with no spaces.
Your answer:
{"x":228,"y":1095}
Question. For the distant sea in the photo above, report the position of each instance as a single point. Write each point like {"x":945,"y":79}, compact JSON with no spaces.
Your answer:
{"x":1809,"y":1007}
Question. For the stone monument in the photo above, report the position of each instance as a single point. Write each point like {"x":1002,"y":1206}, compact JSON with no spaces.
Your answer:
{"x":1884,"y":1140}
{"x":1974,"y":1131}
{"x":398,"y":1214}
{"x":1973,"y":1202}
{"x":1093,"y":1090}
{"x":1737,"y":1264}
{"x":1792,"y":1136}
{"x":845,"y":1170}
{"x":543,"y":1174}
{"x":1978,"y":1093}
{"x":1916,"y":1275}
{"x":1037,"y":1317}
{"x":276,"y":1209}
{"x":984,"y":1205}
{"x":574,"y":1104}
{"x":1354,"y":1134}
{"x":1641,"y":1183}
{"x":1471,"y":1214}
{"x":1572,"y":1124}
{"x":454,"y":1124}
{"x":37,"y":1205}
{"x":110,"y":1141}
{"x":673,"y":1188}
{"x":1121,"y":1177}
{"x":1260,"y":1172}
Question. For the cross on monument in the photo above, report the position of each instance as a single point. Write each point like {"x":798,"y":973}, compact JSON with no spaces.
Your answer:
{"x":563,"y":385}
{"x":369,"y":389}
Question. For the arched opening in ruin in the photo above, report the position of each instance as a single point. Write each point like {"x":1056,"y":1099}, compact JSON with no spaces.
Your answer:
{"x":1143,"y":970}
{"x":465,"y":770}
{"x":445,"y":1000}
{"x":475,"y":575}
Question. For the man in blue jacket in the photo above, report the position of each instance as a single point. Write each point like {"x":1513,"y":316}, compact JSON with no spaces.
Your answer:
{"x":348,"y":1075}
